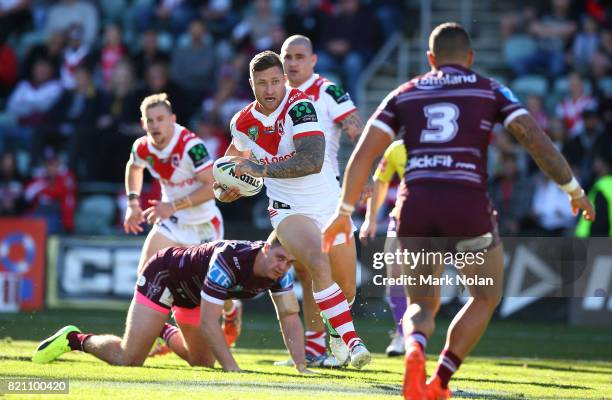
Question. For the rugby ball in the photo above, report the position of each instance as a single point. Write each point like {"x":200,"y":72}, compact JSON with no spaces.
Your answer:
{"x":224,"y":173}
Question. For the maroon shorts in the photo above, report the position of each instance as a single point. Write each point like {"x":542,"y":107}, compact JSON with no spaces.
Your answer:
{"x":445,"y":210}
{"x":159,"y":289}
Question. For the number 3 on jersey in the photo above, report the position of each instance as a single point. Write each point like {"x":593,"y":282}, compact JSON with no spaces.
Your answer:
{"x":441,"y":123}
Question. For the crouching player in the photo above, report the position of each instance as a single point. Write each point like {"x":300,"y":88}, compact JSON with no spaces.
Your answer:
{"x":194,"y":281}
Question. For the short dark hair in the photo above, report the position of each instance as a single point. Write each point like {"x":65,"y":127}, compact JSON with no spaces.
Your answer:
{"x":272,"y":239}
{"x":265,"y":60}
{"x":154,"y":100}
{"x":449,"y":40}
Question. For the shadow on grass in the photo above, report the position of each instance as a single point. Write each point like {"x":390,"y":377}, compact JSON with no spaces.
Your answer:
{"x":546,"y":385}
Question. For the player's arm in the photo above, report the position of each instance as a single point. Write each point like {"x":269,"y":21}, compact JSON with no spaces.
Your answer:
{"x":525,"y":129}
{"x":371,"y":144}
{"x":209,"y":315}
{"x":352,"y":125}
{"x":287,"y":312}
{"x":308,"y":159}
{"x":232,"y":150}
{"x":133,"y":186}
{"x":379,"y":193}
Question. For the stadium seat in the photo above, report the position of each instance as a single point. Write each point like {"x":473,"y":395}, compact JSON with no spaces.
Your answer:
{"x":95,"y":215}
{"x":530,"y":85}
{"x":605,"y":86}
{"x":518,"y":47}
{"x":561,"y":86}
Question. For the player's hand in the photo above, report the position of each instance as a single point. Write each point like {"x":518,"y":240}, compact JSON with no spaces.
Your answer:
{"x":233,"y":369}
{"x":339,"y":224}
{"x":579,"y":201}
{"x":158,"y":211}
{"x":244,"y":166}
{"x":367,"y":231}
{"x":228,"y":195}
{"x":301,"y":368}
{"x":133,"y":219}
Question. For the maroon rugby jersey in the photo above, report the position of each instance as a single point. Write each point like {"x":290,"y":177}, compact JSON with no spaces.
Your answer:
{"x":217,"y":271}
{"x":446,"y":117}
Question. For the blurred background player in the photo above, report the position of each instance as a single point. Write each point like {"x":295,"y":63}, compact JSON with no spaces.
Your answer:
{"x":441,"y":114}
{"x":187,"y":213}
{"x":194,"y":281}
{"x":393,"y":163}
{"x":280,"y":129}
{"x":336,"y":113}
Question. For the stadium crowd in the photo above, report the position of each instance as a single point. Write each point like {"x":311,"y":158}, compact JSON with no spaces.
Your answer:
{"x":73,"y":72}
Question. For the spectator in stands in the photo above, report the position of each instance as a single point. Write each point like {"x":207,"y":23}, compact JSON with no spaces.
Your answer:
{"x":219,"y":18}
{"x":52,"y":49}
{"x":75,"y":53}
{"x":149,"y":53}
{"x":511,"y":193}
{"x":193,"y":67}
{"x":112,"y":52}
{"x":585,"y":44}
{"x":580,"y":150}
{"x":8,"y":70}
{"x":215,"y":138}
{"x":65,"y":13}
{"x":253,"y":32}
{"x":228,"y":99}
{"x":51,"y":194}
{"x":11,"y":186}
{"x":536,"y":109}
{"x":119,"y":125}
{"x":550,"y":214}
{"x":157,"y":80}
{"x":167,"y":15}
{"x":350,"y":37}
{"x":601,"y":62}
{"x":15,"y":16}
{"x":30,"y":103}
{"x":305,"y":18}
{"x":571,"y":108}
{"x":552,"y":32}
{"x":75,"y":121}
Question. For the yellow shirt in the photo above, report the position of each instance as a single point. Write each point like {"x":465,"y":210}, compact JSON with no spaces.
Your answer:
{"x":393,"y":162}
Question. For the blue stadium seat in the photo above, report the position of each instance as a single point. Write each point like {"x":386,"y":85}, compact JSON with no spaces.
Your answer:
{"x":518,"y":47}
{"x":530,"y":85}
{"x":95,"y":215}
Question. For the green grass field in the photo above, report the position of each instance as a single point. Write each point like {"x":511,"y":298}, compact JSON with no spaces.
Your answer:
{"x":513,"y":361}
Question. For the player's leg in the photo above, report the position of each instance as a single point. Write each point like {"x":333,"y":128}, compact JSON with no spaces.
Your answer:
{"x":396,"y":298}
{"x":315,"y":329}
{"x":142,"y":324}
{"x":191,"y":344}
{"x":472,"y":320}
{"x":158,"y":238}
{"x":343,"y":261}
{"x":418,"y":325}
{"x":302,"y":237}
{"x":141,"y":328}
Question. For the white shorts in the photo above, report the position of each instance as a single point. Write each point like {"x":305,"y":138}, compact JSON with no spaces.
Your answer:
{"x":191,"y":234}
{"x":278,"y":211}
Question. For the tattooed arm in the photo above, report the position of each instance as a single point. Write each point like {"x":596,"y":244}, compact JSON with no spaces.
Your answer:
{"x":525,"y":129}
{"x":352,"y":125}
{"x":308,"y":159}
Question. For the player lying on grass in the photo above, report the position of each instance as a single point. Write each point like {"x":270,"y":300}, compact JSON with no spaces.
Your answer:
{"x":193,"y":281}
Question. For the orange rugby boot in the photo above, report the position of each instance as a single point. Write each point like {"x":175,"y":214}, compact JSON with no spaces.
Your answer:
{"x":414,"y":377}
{"x":435,"y":391}
{"x":232,"y":324}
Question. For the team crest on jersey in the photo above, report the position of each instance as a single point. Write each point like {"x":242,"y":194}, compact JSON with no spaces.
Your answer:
{"x":280,"y":127}
{"x":337,"y":93}
{"x":175,"y":160}
{"x":302,"y":113}
{"x":253,"y":132}
{"x":151,"y":161}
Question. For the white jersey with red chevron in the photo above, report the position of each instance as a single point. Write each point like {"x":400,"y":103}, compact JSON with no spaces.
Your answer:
{"x":176,"y":166}
{"x":270,"y":139}
{"x":333,"y":105}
